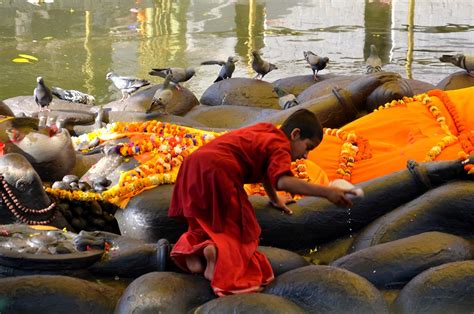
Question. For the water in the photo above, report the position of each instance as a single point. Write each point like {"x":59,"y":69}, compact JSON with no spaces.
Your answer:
{"x":77,"y":42}
{"x":349,"y":222}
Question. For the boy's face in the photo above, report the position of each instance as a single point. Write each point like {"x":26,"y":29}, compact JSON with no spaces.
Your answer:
{"x":301,"y":147}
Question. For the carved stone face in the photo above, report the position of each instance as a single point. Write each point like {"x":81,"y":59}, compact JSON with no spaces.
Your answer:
{"x":49,"y":150}
{"x":21,"y":191}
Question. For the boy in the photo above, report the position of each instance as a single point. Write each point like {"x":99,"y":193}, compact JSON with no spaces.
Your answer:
{"x":223,"y":233}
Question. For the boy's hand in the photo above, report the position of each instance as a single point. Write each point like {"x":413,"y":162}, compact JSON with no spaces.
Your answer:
{"x":281,"y":203}
{"x":339,"y":196}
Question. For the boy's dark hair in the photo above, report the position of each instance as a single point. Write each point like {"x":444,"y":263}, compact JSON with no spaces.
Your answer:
{"x":306,"y":121}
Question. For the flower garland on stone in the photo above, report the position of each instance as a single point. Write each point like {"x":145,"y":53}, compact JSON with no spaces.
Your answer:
{"x":166,"y":145}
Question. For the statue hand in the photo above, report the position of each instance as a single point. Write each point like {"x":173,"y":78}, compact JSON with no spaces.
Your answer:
{"x":91,"y":240}
{"x":361,"y":88}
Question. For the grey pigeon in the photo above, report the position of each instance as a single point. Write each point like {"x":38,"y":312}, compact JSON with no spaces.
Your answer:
{"x":43,"y":95}
{"x":316,"y":62}
{"x":127,"y":85}
{"x":73,"y":96}
{"x":261,"y":66}
{"x":285,"y":100}
{"x":162,"y":97}
{"x":465,"y":62}
{"x":178,"y":75}
{"x":373,"y":62}
{"x":227,"y":68}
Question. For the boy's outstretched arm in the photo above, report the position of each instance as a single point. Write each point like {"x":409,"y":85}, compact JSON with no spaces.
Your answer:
{"x":335,"y":195}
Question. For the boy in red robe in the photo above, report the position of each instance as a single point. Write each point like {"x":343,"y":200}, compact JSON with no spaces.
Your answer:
{"x":223,"y":233}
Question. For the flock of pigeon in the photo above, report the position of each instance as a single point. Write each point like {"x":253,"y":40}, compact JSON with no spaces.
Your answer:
{"x":128,"y":85}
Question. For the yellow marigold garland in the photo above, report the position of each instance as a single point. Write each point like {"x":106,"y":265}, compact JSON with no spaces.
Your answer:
{"x":168,"y":145}
{"x":353,"y":149}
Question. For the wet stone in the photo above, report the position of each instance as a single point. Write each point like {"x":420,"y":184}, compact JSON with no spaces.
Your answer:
{"x":70,"y":178}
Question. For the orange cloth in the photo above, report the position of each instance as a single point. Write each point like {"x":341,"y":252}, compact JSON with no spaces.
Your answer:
{"x":400,"y":133}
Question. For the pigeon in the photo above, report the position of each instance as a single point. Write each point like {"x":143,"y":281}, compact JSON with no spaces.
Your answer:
{"x":261,"y":66}
{"x":316,"y":62}
{"x":43,"y":95}
{"x":285,"y":100}
{"x":162,"y":97}
{"x":227,"y":68}
{"x":465,"y":62}
{"x":178,"y":75}
{"x":73,"y":96}
{"x":373,"y":62}
{"x":127,"y":85}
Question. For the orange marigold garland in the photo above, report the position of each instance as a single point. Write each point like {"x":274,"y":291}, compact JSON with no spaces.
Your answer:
{"x":466,"y":140}
{"x":468,"y":166}
{"x":464,"y":133}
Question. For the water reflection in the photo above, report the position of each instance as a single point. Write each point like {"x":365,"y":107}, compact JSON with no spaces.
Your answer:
{"x":249,"y":29}
{"x":77,"y":42}
{"x":411,"y":39}
{"x":378,"y":28}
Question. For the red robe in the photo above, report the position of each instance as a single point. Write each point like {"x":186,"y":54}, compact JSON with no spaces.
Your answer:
{"x":209,"y":193}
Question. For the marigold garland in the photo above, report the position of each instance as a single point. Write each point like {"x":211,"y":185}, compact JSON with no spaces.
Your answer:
{"x":166,"y":145}
{"x":466,"y":140}
{"x":468,"y":166}
{"x":353,"y":149}
{"x":464,"y":135}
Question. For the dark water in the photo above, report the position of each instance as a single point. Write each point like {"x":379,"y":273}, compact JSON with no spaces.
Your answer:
{"x":78,"y":42}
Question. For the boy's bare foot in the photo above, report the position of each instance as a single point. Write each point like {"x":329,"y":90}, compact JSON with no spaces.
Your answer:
{"x":210,"y":254}
{"x":194,"y":264}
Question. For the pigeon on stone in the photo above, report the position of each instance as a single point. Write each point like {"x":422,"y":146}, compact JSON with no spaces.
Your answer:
{"x":178,"y":75}
{"x":162,"y":97}
{"x":316,"y":62}
{"x":261,"y":66}
{"x":285,"y":100}
{"x":127,"y":85}
{"x":73,"y":96}
{"x":227,"y":68}
{"x":42,"y":94}
{"x":465,"y":62}
{"x":373,"y":62}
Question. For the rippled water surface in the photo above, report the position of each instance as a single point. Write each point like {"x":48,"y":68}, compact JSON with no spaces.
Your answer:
{"x":77,"y":42}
